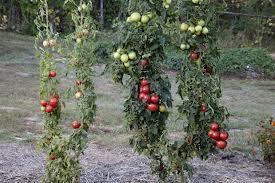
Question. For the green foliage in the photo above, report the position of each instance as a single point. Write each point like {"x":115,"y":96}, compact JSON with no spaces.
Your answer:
{"x":266,"y":137}
{"x":237,"y":61}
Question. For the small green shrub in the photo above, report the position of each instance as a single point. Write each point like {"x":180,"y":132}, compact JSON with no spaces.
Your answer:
{"x":239,"y":60}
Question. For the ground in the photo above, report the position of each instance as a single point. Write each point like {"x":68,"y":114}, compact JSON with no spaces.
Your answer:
{"x":108,"y":157}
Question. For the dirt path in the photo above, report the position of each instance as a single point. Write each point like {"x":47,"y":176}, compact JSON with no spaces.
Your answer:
{"x":22,"y":164}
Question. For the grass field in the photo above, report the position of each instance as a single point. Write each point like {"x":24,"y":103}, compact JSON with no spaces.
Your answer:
{"x":248,"y":101}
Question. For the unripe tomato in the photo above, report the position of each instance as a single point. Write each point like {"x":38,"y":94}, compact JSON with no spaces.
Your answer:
{"x":49,"y":109}
{"x":52,"y":74}
{"x":54,"y":102}
{"x":132,"y":55}
{"x":162,"y":108}
{"x":76,"y":125}
{"x":52,"y":42}
{"x":146,"y":89}
{"x":78,"y":40}
{"x":45,"y":43}
{"x":221,"y":144}
{"x":205,"y":30}
{"x":155,"y":99}
{"x":127,"y":64}
{"x":152,"y":107}
{"x":224,"y":135}
{"x":42,"y":108}
{"x":216,"y":135}
{"x":198,"y":28}
{"x":215,"y":127}
{"x":144,"y":82}
{"x":201,"y":23}
{"x":195,"y":1}
{"x":150,"y":15}
{"x":184,"y":27}
{"x":117,"y":55}
{"x":124,"y":58}
{"x":191,"y":29}
{"x":43,"y":103}
{"x":78,"y":95}
{"x":129,"y":20}
{"x":135,"y":17}
{"x":183,"y":46}
{"x":145,"y":19}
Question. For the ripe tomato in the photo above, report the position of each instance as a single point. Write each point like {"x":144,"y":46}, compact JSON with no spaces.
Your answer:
{"x":52,"y":74}
{"x":194,"y":56}
{"x":215,"y":126}
{"x":141,"y":96}
{"x":76,"y":125}
{"x":224,"y":135}
{"x":43,"y":103}
{"x":146,"y":89}
{"x":52,"y":157}
{"x":216,"y":135}
{"x":152,"y":107}
{"x":221,"y":144}
{"x":147,"y":98}
{"x":54,"y":102}
{"x":144,"y":82}
{"x":49,"y":109}
{"x":144,"y":63}
{"x":155,"y":99}
{"x":203,"y":107}
{"x":210,"y":133}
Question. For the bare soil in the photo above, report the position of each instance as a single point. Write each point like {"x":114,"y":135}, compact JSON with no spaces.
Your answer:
{"x":21,"y":163}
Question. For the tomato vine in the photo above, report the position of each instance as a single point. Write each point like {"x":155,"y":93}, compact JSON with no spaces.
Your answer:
{"x":64,"y":151}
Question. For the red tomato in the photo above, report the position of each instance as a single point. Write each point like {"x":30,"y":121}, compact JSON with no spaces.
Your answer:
{"x":76,"y":124}
{"x":155,"y":99}
{"x":152,"y":107}
{"x":210,"y":133}
{"x":49,"y":109}
{"x":215,"y":126}
{"x":43,"y":103}
{"x":147,"y":98}
{"x":144,"y":63}
{"x":194,"y":56}
{"x":203,"y":107}
{"x":141,"y":96}
{"x":144,"y":82}
{"x":146,"y":89}
{"x":216,"y":135}
{"x":52,"y":74}
{"x":54,"y":102}
{"x":221,"y":144}
{"x":224,"y":135}
{"x":52,"y":157}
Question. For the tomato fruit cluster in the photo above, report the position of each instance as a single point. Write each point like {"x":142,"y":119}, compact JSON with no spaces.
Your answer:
{"x":49,"y":106}
{"x":220,"y":137}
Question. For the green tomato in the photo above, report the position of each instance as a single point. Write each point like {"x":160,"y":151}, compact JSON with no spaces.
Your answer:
{"x":135,"y":17}
{"x":129,"y":20}
{"x":187,"y":46}
{"x":183,"y":46}
{"x":162,"y":108}
{"x":124,"y":58}
{"x":168,"y":1}
{"x":198,"y":28}
{"x":119,"y":50}
{"x":132,"y":55}
{"x":127,"y":64}
{"x":145,"y":19}
{"x":191,"y":29}
{"x":184,"y":27}
{"x":150,"y":15}
{"x":117,"y":55}
{"x":201,"y":23}
{"x":195,"y":1}
{"x":205,"y":30}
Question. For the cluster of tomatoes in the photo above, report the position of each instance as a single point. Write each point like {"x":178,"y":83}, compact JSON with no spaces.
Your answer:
{"x":49,"y":43}
{"x":220,"y":137}
{"x":166,"y":3}
{"x":151,"y":100}
{"x":49,"y":106}
{"x":140,"y":19}
{"x":124,"y":57}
